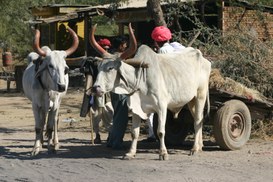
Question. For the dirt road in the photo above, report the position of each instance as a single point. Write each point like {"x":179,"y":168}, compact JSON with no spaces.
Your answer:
{"x":78,"y":160}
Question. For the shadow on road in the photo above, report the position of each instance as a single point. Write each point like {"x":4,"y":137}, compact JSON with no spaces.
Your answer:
{"x":80,"y":149}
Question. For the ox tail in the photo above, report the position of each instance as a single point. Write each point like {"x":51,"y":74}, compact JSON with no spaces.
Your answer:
{"x":206,"y":117}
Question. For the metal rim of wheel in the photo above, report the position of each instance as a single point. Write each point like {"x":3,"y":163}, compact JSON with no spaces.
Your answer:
{"x":236,"y":126}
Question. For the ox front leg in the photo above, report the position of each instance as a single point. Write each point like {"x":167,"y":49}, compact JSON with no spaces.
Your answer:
{"x":163,"y":153}
{"x":39,"y":116}
{"x":136,"y":120}
{"x":52,"y":123}
{"x":38,"y":141}
{"x":56,"y":139}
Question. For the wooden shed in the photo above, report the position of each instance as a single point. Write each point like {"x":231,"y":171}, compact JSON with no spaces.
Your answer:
{"x":226,"y":15}
{"x":52,"y":20}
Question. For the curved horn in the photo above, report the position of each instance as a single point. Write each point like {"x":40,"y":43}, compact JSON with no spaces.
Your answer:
{"x":132,"y":47}
{"x":36,"y":44}
{"x":94,"y":43}
{"x":75,"y":44}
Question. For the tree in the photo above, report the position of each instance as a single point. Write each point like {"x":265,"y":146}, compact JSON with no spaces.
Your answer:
{"x":153,"y":8}
{"x":15,"y":32}
{"x":155,"y":11}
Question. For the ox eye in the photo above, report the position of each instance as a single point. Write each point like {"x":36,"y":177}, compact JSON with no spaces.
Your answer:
{"x":66,"y":70}
{"x":110,"y":68}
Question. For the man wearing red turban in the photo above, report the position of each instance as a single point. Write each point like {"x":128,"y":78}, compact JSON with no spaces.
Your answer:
{"x":105,"y":43}
{"x":103,"y":104}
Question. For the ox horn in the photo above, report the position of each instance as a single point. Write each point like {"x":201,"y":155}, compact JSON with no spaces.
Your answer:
{"x":36,"y":44}
{"x":75,"y":44}
{"x":94,"y":43}
{"x":132,"y":47}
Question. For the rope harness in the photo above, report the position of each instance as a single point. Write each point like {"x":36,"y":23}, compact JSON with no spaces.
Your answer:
{"x":142,"y":74}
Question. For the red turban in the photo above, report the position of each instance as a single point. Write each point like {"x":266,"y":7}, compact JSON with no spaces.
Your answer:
{"x":104,"y":42}
{"x":161,"y":34}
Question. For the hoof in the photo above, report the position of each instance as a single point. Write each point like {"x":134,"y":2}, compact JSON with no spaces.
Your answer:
{"x":97,"y":140}
{"x":35,"y":151}
{"x":57,"y":146}
{"x":52,"y":149}
{"x":129,"y":156}
{"x":194,"y":152}
{"x":164,"y":157}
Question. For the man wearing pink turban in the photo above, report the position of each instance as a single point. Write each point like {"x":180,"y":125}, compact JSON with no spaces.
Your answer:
{"x":161,"y":35}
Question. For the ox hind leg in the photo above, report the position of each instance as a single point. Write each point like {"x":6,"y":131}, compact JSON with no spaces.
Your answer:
{"x":136,"y":120}
{"x":162,"y":115}
{"x":40,"y":117}
{"x":52,"y":124}
{"x":196,"y":106}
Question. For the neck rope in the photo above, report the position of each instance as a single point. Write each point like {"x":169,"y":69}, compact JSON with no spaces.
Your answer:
{"x":135,"y":87}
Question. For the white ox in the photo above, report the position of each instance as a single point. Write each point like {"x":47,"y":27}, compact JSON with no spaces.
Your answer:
{"x":44,"y":84}
{"x":171,"y":81}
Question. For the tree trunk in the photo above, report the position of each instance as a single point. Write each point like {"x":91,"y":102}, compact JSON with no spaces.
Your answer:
{"x":155,"y":11}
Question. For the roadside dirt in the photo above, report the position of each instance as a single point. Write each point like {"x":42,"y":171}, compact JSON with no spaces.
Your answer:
{"x":78,"y":160}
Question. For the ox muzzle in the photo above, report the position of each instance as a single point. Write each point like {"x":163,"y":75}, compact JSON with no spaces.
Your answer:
{"x":96,"y":89}
{"x":61,"y":87}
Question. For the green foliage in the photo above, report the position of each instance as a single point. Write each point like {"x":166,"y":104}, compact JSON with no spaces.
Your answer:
{"x":262,"y":2}
{"x":106,"y":26}
{"x":247,"y":60}
{"x":15,"y":32}
{"x":238,"y":54}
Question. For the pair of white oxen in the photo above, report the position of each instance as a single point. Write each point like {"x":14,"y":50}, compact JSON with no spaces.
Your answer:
{"x":155,"y":83}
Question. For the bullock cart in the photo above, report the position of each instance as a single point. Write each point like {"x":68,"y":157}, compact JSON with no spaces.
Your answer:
{"x":230,"y":116}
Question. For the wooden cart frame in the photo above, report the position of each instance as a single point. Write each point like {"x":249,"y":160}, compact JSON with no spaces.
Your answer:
{"x":230,"y":115}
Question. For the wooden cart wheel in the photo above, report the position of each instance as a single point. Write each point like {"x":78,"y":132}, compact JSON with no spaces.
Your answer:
{"x":232,"y":125}
{"x":176,"y":130}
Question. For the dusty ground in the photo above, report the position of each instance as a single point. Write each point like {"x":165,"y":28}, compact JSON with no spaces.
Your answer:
{"x":78,"y":160}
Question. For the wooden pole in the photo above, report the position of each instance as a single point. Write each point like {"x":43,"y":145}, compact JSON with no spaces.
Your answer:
{"x":91,"y":125}
{"x":88,"y":85}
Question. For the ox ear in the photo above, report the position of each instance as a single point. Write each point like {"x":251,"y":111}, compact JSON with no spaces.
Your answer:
{"x":39,"y":67}
{"x":32,"y":57}
{"x":136,"y":63}
{"x":64,"y":54}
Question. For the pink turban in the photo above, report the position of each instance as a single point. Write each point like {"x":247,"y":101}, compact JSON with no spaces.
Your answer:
{"x":104,"y":42}
{"x":161,"y":34}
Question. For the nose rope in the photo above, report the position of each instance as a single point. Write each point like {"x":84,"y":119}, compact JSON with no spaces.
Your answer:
{"x":43,"y":86}
{"x":49,"y":73}
{"x":40,"y":80}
